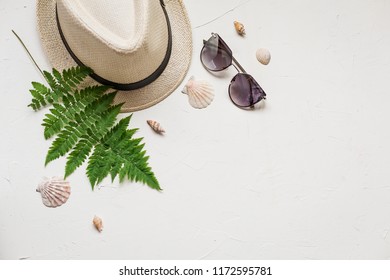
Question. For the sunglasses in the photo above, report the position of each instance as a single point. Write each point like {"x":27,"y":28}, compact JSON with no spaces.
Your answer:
{"x":215,"y":56}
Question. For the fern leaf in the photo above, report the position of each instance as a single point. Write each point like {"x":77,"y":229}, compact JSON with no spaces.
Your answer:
{"x":121,"y":155}
{"x":90,"y":125}
{"x":61,"y":85}
{"x":37,"y":102}
{"x":102,"y":104}
{"x":107,"y":120}
{"x":64,"y":142}
{"x":115,"y":169}
{"x":60,"y":115}
{"x":50,"y":80}
{"x":41,"y":90}
{"x":94,"y":167}
{"x":95,"y":164}
{"x":39,"y":93}
{"x":83,"y":122}
{"x":91,"y":93}
{"x":34,"y":105}
{"x":117,"y":133}
{"x":57,"y":75}
{"x":136,"y":168}
{"x":55,"y":121}
{"x":78,"y":156}
{"x":75,"y":75}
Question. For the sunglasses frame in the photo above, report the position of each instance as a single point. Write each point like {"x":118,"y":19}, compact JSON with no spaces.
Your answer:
{"x":237,"y":65}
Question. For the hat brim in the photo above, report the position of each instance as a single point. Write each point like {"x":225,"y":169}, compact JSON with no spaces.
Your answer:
{"x":138,"y":99}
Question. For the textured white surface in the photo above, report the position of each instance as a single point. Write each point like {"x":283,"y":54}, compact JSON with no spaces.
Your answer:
{"x":304,"y":177}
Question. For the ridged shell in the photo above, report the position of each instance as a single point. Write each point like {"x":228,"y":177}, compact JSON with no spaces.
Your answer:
{"x":54,"y":191}
{"x":263,"y":56}
{"x":156,"y":126}
{"x":239,"y":28}
{"x":200,"y":93}
{"x":98,"y":223}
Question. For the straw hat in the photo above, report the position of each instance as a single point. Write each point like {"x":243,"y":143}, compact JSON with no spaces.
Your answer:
{"x":143,"y":48}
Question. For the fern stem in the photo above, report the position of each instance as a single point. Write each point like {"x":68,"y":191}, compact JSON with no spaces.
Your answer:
{"x":30,"y":55}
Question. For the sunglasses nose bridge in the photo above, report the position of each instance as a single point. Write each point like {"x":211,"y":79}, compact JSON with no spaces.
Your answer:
{"x":234,"y":65}
{"x":238,"y":66}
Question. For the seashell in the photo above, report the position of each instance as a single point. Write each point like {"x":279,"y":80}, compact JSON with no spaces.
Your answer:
{"x":155,"y":126}
{"x":54,"y":191}
{"x":98,"y":223}
{"x":200,"y":93}
{"x":263,"y":56}
{"x":239,"y":28}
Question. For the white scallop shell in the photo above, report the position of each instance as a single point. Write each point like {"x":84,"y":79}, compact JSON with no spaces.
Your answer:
{"x":54,"y":191}
{"x":263,"y":56}
{"x":156,"y":126}
{"x":200,"y":93}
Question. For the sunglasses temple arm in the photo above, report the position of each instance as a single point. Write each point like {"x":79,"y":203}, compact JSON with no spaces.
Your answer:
{"x":238,"y":65}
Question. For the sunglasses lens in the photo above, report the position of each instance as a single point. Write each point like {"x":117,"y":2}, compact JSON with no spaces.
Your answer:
{"x":244,"y":91}
{"x":215,"y":54}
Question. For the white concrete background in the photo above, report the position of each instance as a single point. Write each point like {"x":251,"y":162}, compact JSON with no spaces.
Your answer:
{"x":304,"y":177}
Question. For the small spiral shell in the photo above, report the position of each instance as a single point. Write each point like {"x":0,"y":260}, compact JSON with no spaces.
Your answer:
{"x":98,"y":223}
{"x":156,"y":126}
{"x":239,"y":28}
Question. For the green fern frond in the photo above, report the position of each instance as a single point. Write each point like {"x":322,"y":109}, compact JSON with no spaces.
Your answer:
{"x":74,"y":76}
{"x":124,"y":156}
{"x":61,"y":86}
{"x":39,"y":94}
{"x":64,"y":142}
{"x":83,"y":121}
{"x":78,"y":156}
{"x":69,"y":79}
{"x":50,"y":79}
{"x":88,"y":124}
{"x":60,"y":115}
{"x":55,"y":121}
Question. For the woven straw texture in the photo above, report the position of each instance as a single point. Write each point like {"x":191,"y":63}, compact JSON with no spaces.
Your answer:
{"x":137,"y":99}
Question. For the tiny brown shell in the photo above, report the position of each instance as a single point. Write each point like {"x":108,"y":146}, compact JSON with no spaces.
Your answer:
{"x":98,"y":223}
{"x":156,"y":126}
{"x":239,"y":28}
